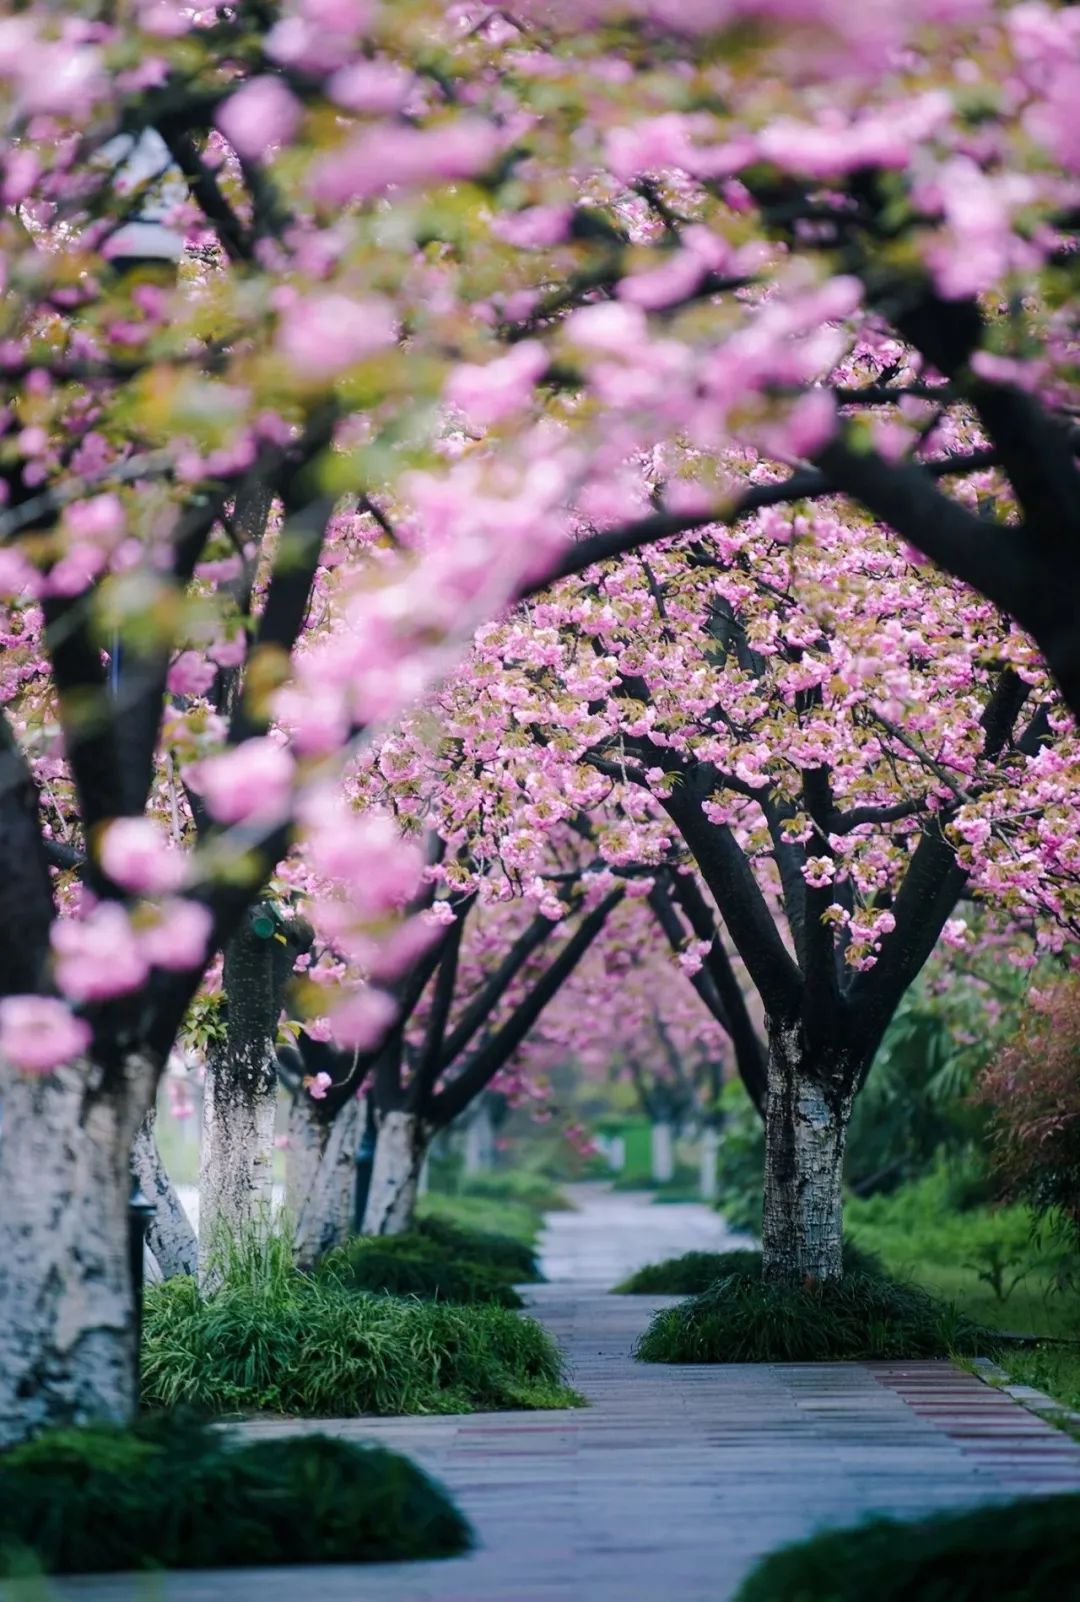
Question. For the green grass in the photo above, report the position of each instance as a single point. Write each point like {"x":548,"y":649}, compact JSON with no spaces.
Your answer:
{"x":695,"y":1272}
{"x":274,"y":1340}
{"x":417,"y":1266}
{"x":862,"y":1317}
{"x":1027,"y":1552}
{"x":506,"y":1254}
{"x":535,"y":1191}
{"x":171,"y":1493}
{"x":482,"y":1213}
{"x":919,"y":1236}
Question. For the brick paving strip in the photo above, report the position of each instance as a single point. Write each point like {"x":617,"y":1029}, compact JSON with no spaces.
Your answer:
{"x":674,"y":1480}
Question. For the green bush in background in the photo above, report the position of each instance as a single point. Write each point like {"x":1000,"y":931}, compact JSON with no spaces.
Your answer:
{"x":412,"y":1265}
{"x":172,"y":1493}
{"x":515,"y":1259}
{"x":1028,"y":1551}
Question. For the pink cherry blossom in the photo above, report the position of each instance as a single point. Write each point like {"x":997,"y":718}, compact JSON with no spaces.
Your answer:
{"x":38,"y":1033}
{"x":136,"y":855}
{"x":191,"y":674}
{"x":261,"y":114}
{"x":361,"y":1020}
{"x":250,"y":783}
{"x":326,"y":334}
{"x":178,"y":935}
{"x":98,"y":956}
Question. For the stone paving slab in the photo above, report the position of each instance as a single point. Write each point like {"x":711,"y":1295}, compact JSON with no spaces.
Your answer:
{"x":675,"y":1479}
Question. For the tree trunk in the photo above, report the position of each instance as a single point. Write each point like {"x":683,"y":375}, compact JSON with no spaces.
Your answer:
{"x":325,"y":1221}
{"x":710,"y":1150}
{"x":479,"y":1139}
{"x":169,"y":1235}
{"x":662,"y":1153}
{"x":805,"y":1129}
{"x":67,"y":1319}
{"x":399,"y":1156}
{"x":239,"y":1106}
{"x":308,"y":1135}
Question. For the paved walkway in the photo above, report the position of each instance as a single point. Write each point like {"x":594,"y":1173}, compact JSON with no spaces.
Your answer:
{"x":675,"y":1479}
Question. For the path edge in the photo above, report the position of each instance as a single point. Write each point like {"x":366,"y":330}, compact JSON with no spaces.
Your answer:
{"x":1059,"y":1414}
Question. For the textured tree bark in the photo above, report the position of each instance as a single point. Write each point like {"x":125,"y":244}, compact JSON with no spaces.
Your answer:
{"x":67,"y":1323}
{"x":308,"y":1135}
{"x":169,"y":1236}
{"x":399,"y":1156}
{"x":325,"y":1220}
{"x":805,"y":1128}
{"x":239,"y":1105}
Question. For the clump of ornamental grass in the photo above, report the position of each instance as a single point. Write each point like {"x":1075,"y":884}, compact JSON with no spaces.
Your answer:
{"x":515,"y":1259}
{"x":171,"y":1492}
{"x":272,"y":1339}
{"x":415,"y":1265}
{"x":1028,"y":1551}
{"x":695,"y":1272}
{"x":862,"y":1317}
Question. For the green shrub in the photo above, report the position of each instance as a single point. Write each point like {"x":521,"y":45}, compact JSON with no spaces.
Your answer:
{"x":1026,"y":1552}
{"x":414,"y":1265}
{"x":480,"y":1214}
{"x":515,"y":1259}
{"x":543,"y":1195}
{"x":861,"y":1317}
{"x":695,"y":1272}
{"x":296,"y":1344}
{"x":172,"y":1493}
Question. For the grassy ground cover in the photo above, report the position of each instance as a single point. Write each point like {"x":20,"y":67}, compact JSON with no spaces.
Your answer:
{"x":695,"y":1272}
{"x":272,"y":1339}
{"x":861,"y":1318}
{"x":994,"y":1263}
{"x":171,"y":1493}
{"x":1030,"y":1552}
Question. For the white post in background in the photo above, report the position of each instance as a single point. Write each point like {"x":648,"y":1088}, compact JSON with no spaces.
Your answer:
{"x":617,"y":1153}
{"x":710,"y":1149}
{"x":663,"y":1154}
{"x":480,"y":1140}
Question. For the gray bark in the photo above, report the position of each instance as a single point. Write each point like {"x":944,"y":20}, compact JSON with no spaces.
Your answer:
{"x":326,"y":1219}
{"x":170,"y":1237}
{"x":239,"y":1106}
{"x":67,"y":1322}
{"x":399,"y":1155}
{"x":805,"y":1129}
{"x":308,"y":1135}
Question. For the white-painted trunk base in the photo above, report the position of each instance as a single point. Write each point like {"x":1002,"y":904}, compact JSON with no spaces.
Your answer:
{"x":235,"y":1169}
{"x":399,"y":1154}
{"x":326,"y":1219}
{"x":307,"y":1137}
{"x":663,"y":1153}
{"x":479,"y":1140}
{"x":710,"y":1151}
{"x":169,"y":1235}
{"x":67,"y":1327}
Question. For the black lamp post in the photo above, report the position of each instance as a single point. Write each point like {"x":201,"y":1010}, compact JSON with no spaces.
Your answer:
{"x":140,"y":1211}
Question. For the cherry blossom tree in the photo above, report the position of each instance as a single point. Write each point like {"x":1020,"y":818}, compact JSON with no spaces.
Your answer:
{"x":202,"y":320}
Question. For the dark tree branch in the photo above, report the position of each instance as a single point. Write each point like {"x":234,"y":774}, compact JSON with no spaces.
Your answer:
{"x":26,"y":902}
{"x":493,"y":1055}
